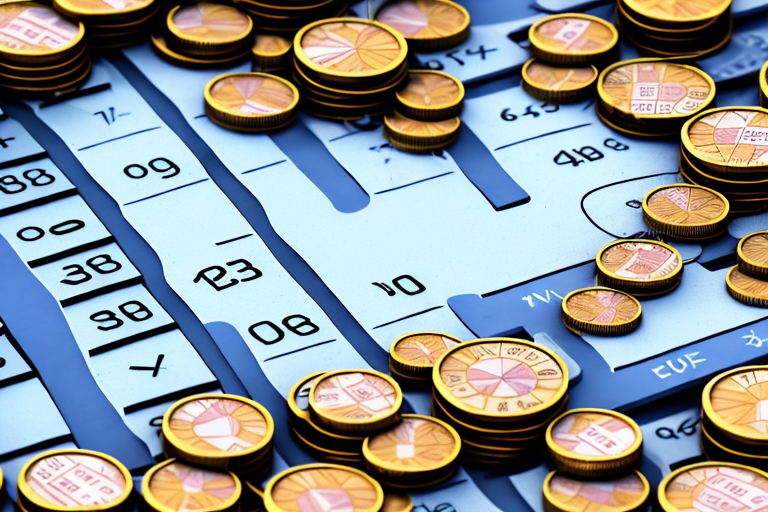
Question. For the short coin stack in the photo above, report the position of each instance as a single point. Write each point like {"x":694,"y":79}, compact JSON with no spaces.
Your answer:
{"x":642,"y":268}
{"x":733,"y":427}
{"x":348,"y":68}
{"x":602,"y":311}
{"x":500,"y":394}
{"x":680,"y":27}
{"x":412,"y":357}
{"x":204,"y":34}
{"x":112,"y":24}
{"x":747,"y":282}
{"x":272,"y":54}
{"x":427,"y":25}
{"x":722,"y":149}
{"x":285,"y":18}
{"x":40,"y":50}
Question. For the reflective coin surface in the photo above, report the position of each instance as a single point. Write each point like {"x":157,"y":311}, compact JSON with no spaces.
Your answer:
{"x":429,"y":89}
{"x":34,"y":29}
{"x":423,"y":19}
{"x":737,"y":488}
{"x":554,"y":78}
{"x":570,"y":495}
{"x":607,"y":307}
{"x":747,"y":286}
{"x":574,"y":35}
{"x":423,"y":349}
{"x":182,"y":487}
{"x":351,"y":47}
{"x":416,"y":443}
{"x":425,"y":129}
{"x":678,"y":10}
{"x":355,"y":396}
{"x":732,"y":137}
{"x":214,"y":23}
{"x":685,"y":205}
{"x":252,"y":95}
{"x":639,"y":261}
{"x":331,"y":489}
{"x":268,"y":45}
{"x":754,"y":249}
{"x":594,"y":433}
{"x":741,"y":400}
{"x":103,"y":6}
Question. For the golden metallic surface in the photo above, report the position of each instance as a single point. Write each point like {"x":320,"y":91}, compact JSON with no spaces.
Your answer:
{"x":415,"y":354}
{"x":272,"y":50}
{"x":572,"y":39}
{"x":327,"y":487}
{"x":737,"y":403}
{"x":210,"y":23}
{"x":174,"y":486}
{"x":563,"y":493}
{"x":686,"y":204}
{"x":101,"y":7}
{"x":34,"y":30}
{"x":555,"y":78}
{"x":753,"y":254}
{"x":639,"y":261}
{"x":161,"y":47}
{"x":732,"y":138}
{"x":413,"y":132}
{"x":594,"y":435}
{"x":430,"y":95}
{"x":678,"y":10}
{"x":746,"y":289}
{"x":599,"y":310}
{"x":397,"y":503}
{"x":250,"y":94}
{"x":441,"y":22}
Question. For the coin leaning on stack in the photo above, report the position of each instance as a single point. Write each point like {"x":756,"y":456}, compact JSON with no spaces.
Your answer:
{"x":41,"y":52}
{"x":747,"y":282}
{"x":113,"y":24}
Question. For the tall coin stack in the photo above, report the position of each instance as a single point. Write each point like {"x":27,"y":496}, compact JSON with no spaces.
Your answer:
{"x":112,"y":24}
{"x":500,"y":394}
{"x":285,"y":18}
{"x":347,"y":68}
{"x":722,"y":149}
{"x":40,"y":50}
{"x":670,"y":29}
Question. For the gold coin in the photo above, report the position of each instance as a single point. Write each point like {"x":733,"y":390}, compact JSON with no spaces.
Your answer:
{"x":361,"y":401}
{"x":687,"y":212}
{"x":563,"y":493}
{"x":271,"y":51}
{"x":713,"y":449}
{"x":734,"y":402}
{"x":572,"y":39}
{"x":593,"y":443}
{"x":658,"y":94}
{"x":500,"y":380}
{"x":729,"y":139}
{"x":348,"y":49}
{"x":603,"y":311}
{"x":415,"y":354}
{"x":397,"y":503}
{"x":418,"y":449}
{"x":430,"y":96}
{"x":558,"y":84}
{"x":161,"y":47}
{"x":174,"y":486}
{"x":208,"y":29}
{"x":111,"y":9}
{"x":74,"y":480}
{"x":35,"y":34}
{"x":753,"y":255}
{"x":696,"y":487}
{"x":747,"y":290}
{"x":639,"y":267}
{"x":217,"y":430}
{"x":677,"y":11}
{"x":399,"y":129}
{"x":251,"y":101}
{"x":323,"y":487}
{"x":427,"y":25}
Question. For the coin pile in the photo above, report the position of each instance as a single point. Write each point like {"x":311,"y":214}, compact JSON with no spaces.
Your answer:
{"x":112,"y":24}
{"x":652,"y":97}
{"x":733,"y":426}
{"x":251,"y":102}
{"x":500,"y":394}
{"x":427,"y":25}
{"x":204,"y":34}
{"x":348,"y":68}
{"x":411,"y":357}
{"x":723,"y":149}
{"x":568,"y":50}
{"x":40,"y":50}
{"x":284,"y":18}
{"x":747,"y":282}
{"x":642,"y":268}
{"x":686,"y":212}
{"x":272,"y":54}
{"x":676,"y":28}
{"x":602,"y":311}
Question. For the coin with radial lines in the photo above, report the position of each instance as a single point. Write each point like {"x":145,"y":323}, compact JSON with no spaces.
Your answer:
{"x":746,"y":289}
{"x":415,"y":354}
{"x":215,"y":23}
{"x":427,"y":25}
{"x":430,"y":96}
{"x":173,"y":486}
{"x":753,"y":255}
{"x":639,"y":266}
{"x":735,"y":402}
{"x":558,"y":84}
{"x":685,"y":211}
{"x":251,"y":101}
{"x":600,"y":310}
{"x":564,"y":493}
{"x":695,"y":487}
{"x":572,"y":39}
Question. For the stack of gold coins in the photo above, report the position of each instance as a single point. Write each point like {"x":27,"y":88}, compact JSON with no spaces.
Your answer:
{"x":500,"y":394}
{"x":285,"y":18}
{"x":64,"y":480}
{"x":643,"y":268}
{"x":41,"y":51}
{"x":427,"y":25}
{"x":323,"y":487}
{"x":686,"y":212}
{"x":112,"y":24}
{"x":251,"y":102}
{"x":698,"y":486}
{"x":733,"y":425}
{"x":676,"y":27}
{"x":652,"y":97}
{"x":205,"y":34}
{"x":412,"y":357}
{"x":174,"y":486}
{"x":764,"y":85}
{"x":272,"y":54}
{"x":723,"y":149}
{"x":220,"y":431}
{"x":602,"y":311}
{"x":348,"y":68}
{"x":568,"y":50}
{"x":565,"y":493}
{"x":417,"y":452}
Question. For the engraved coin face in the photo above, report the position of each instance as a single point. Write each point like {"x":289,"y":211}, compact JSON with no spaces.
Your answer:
{"x":502,"y":378}
{"x":104,"y":6}
{"x":571,"y":495}
{"x":656,"y":88}
{"x":414,"y":444}
{"x":326,"y":489}
{"x":748,"y":286}
{"x":350,"y":47}
{"x":594,"y":434}
{"x":218,"y":426}
{"x":423,"y":19}
{"x":639,"y":261}
{"x":271,"y":45}
{"x":213,"y":23}
{"x":67,"y":480}
{"x":34,"y":29}
{"x":430,"y":90}
{"x":423,"y":349}
{"x":554,"y":78}
{"x":185,"y":488}
{"x":755,"y":249}
{"x":684,"y":205}
{"x":606,"y":307}
{"x":422,"y":128}
{"x":678,"y":10}
{"x":738,"y":490}
{"x":732,"y":137}
{"x":741,"y":400}
{"x":355,"y":396}
{"x":574,"y":35}
{"x":252,"y":95}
